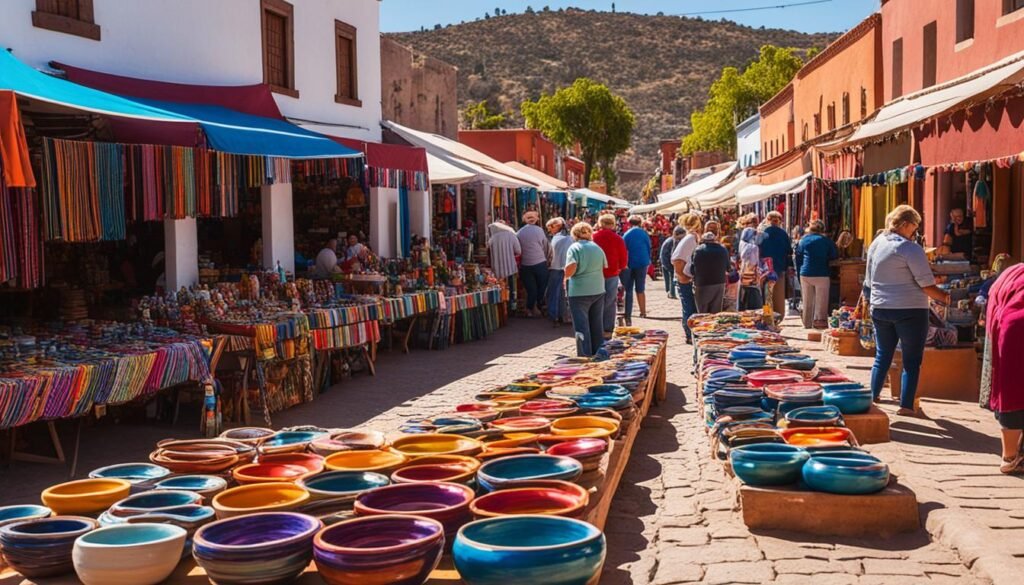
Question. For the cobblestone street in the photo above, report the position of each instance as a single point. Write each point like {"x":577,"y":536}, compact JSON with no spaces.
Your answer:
{"x":675,"y":518}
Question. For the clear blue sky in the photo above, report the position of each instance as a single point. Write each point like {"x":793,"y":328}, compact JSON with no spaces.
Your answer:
{"x":828,"y":16}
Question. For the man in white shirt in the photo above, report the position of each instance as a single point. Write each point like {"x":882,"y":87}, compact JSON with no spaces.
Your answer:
{"x":327,"y":260}
{"x":682,"y":259}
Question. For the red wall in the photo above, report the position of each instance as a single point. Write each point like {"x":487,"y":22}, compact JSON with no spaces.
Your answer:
{"x":669,"y":150}
{"x":528,"y":147}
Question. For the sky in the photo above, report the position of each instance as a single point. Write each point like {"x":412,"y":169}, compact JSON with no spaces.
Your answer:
{"x":812,"y":16}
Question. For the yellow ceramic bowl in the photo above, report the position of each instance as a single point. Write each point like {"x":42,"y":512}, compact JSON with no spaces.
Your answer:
{"x":471,"y":462}
{"x":513,"y":440}
{"x":85,"y":496}
{"x":373,"y":460}
{"x":584,"y":426}
{"x":259,"y":497}
{"x":436,"y":444}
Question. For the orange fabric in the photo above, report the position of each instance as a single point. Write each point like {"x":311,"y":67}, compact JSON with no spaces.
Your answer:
{"x":13,"y":146}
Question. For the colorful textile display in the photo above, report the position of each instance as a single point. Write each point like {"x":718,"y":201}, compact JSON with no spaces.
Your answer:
{"x":15,"y":165}
{"x":21,"y":256}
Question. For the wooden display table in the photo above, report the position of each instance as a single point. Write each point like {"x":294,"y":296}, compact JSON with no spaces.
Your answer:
{"x":948,"y":373}
{"x":870,"y":428}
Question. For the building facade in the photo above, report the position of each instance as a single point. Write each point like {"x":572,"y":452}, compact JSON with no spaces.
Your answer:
{"x":748,"y":142}
{"x":418,"y":91}
{"x":522,"y":145}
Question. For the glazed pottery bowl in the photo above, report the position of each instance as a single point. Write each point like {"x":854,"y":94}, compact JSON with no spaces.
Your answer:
{"x":548,"y":408}
{"x":249,"y":435}
{"x":204,"y":485}
{"x":333,"y":493}
{"x":766,"y":377}
{"x":819,"y":436}
{"x":492,"y":453}
{"x":151,"y":502}
{"x":21,"y":513}
{"x":448,"y":503}
{"x":814,"y":416}
{"x":42,"y":547}
{"x":766,"y":464}
{"x":507,"y":470}
{"x":585,"y":426}
{"x":849,"y":400}
{"x":271,"y":547}
{"x":259,"y":497}
{"x":379,"y":550}
{"x":538,"y":550}
{"x":311,"y":461}
{"x":266,"y":472}
{"x":436,"y":444}
{"x":523,"y":424}
{"x":142,"y":476}
{"x":132,"y":554}
{"x":85,"y":496}
{"x":587,"y":450}
{"x":289,"y":441}
{"x":846,"y":473}
{"x":453,"y":472}
{"x":353,"y":440}
{"x":567,"y":499}
{"x":379,"y":461}
{"x":201,"y":455}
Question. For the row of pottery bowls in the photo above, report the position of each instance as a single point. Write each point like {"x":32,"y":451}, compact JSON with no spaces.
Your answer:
{"x":837,"y":471}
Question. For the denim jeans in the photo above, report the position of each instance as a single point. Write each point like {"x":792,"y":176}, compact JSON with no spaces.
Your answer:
{"x":669,"y":274}
{"x":535,"y":280}
{"x":611,"y":292}
{"x":587,"y":322}
{"x":633,"y":279}
{"x":689,"y":305}
{"x":909,"y":329}
{"x":556,"y":295}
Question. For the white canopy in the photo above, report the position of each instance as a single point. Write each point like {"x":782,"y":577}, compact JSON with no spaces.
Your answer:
{"x":444,"y":173}
{"x":676,"y":198}
{"x":920,"y":106}
{"x":551,"y":183}
{"x":587,"y":193}
{"x":755,"y":193}
{"x":724,"y":196}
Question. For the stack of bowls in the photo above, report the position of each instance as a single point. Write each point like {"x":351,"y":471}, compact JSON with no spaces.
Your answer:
{"x":272,"y":547}
{"x":768,"y":464}
{"x":289,"y":441}
{"x":587,"y":450}
{"x":142,"y":476}
{"x":549,"y":408}
{"x":42,"y":547}
{"x":379,"y":550}
{"x":173,"y":506}
{"x":786,"y":397}
{"x":454,"y":471}
{"x":769,"y":377}
{"x":132,"y":554}
{"x":448,"y":503}
{"x":249,"y":435}
{"x":204,"y":485}
{"x":819,"y":437}
{"x":814,"y":416}
{"x":209,"y":456}
{"x":353,"y":440}
{"x":507,"y":471}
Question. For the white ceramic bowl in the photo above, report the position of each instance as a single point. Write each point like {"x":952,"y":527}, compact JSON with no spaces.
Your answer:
{"x":128,"y":554}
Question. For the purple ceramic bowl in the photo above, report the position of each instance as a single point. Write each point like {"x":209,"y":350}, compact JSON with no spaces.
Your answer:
{"x":268,"y":547}
{"x":448,"y":503}
{"x":379,"y":550}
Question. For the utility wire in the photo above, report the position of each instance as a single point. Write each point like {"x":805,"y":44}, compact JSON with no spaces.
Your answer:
{"x":756,"y":8}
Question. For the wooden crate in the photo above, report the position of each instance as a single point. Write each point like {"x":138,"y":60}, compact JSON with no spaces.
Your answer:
{"x":844,"y":345}
{"x":870,"y":428}
{"x":949,"y":373}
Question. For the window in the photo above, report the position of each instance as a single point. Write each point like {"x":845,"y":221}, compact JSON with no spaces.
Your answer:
{"x":832,"y":116}
{"x":804,"y":133}
{"x":964,"y":20}
{"x":863,"y":103}
{"x":897,"y":68}
{"x":846,"y":108}
{"x":1012,"y":6}
{"x":73,"y":17}
{"x":279,"y":47}
{"x":345,"y":49}
{"x":817,"y":124}
{"x":930,"y":61}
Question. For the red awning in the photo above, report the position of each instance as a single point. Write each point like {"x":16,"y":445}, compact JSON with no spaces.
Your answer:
{"x":389,"y":156}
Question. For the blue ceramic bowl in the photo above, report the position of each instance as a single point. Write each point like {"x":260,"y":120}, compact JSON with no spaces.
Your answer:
{"x":508,"y":470}
{"x":846,"y":472}
{"x":21,"y":513}
{"x":286,"y":441}
{"x":814,"y":416}
{"x":608,"y":390}
{"x":848,"y":400}
{"x":42,"y":547}
{"x":140,"y":475}
{"x":538,"y":550}
{"x":333,"y":493}
{"x":268,"y":547}
{"x":204,"y":485}
{"x":765,"y":464}
{"x":593,"y":401}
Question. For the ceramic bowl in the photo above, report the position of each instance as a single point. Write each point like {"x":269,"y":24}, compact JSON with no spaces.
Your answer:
{"x":249,"y":435}
{"x":558,"y":499}
{"x":379,"y":550}
{"x":765,"y":464}
{"x":151,"y":502}
{"x":814,"y":416}
{"x":539,"y":550}
{"x":21,"y":513}
{"x":379,"y":461}
{"x":766,"y":377}
{"x":267,"y":472}
{"x":523,"y":424}
{"x":85,"y":496}
{"x":548,"y":408}
{"x":201,"y":455}
{"x":270,"y":547}
{"x":598,"y":401}
{"x":42,"y":547}
{"x":310,"y":461}
{"x":204,"y":485}
{"x":333,"y":493}
{"x":518,"y":439}
{"x":436,"y":444}
{"x":819,"y":436}
{"x":597,"y":427}
{"x":448,"y":503}
{"x":492,"y":453}
{"x":501,"y":472}
{"x":353,"y":440}
{"x":587,"y":450}
{"x":289,"y":441}
{"x":142,"y":476}
{"x":132,"y":554}
{"x":849,"y":400}
{"x":848,"y":472}
{"x":453,"y":472}
{"x":259,"y":497}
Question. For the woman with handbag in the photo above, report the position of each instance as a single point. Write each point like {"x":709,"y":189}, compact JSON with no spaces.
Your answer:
{"x":898,"y":285}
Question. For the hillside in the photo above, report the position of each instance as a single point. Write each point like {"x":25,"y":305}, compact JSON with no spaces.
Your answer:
{"x":661,"y":65}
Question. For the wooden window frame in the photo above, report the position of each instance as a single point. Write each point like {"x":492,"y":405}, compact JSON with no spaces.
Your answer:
{"x":84,"y":26}
{"x":1011,"y":6}
{"x":846,"y":108}
{"x":343,"y":30}
{"x":964,"y":20}
{"x":863,"y":103}
{"x":929,"y":54}
{"x":286,"y":11}
{"x":897,"y":69}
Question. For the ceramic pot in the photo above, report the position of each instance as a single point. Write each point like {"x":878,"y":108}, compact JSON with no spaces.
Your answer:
{"x":21,"y":513}
{"x":268,"y":472}
{"x":132,"y":554}
{"x":333,"y":493}
{"x":151,"y":502}
{"x":556,"y":499}
{"x":383,"y":462}
{"x":42,"y":547}
{"x":248,"y":435}
{"x":311,"y":461}
{"x":436,"y":444}
{"x":846,"y":473}
{"x":354,"y":440}
{"x":448,"y":503}
{"x":289,"y":442}
{"x":379,"y":550}
{"x":765,"y":377}
{"x":597,"y":427}
{"x":766,"y":464}
{"x":204,"y":485}
{"x":259,"y":497}
{"x":548,"y":408}
{"x":209,"y":456}
{"x":507,"y":470}
{"x":819,"y":437}
{"x":539,"y":550}
{"x":849,"y":400}
{"x":814,"y":416}
{"x":85,"y":496}
{"x":269,"y":547}
{"x":523,"y":424}
{"x":587,"y":450}
{"x":451,"y":472}
{"x":142,"y":476}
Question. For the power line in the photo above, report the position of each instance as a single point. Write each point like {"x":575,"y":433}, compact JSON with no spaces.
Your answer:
{"x":756,"y":8}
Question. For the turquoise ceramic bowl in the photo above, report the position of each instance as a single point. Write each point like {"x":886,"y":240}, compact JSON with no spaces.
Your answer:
{"x":204,"y":485}
{"x":132,"y":554}
{"x":848,"y":400}
{"x":768,"y":464}
{"x":538,"y":550}
{"x":141,"y":475}
{"x":500,"y":473}
{"x":814,"y":416}
{"x":846,"y":472}
{"x":12,"y":514}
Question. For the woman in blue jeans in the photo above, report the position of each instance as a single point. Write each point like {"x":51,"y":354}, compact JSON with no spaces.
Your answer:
{"x":682,"y":260}
{"x":898,"y":284}
{"x":584,"y":282}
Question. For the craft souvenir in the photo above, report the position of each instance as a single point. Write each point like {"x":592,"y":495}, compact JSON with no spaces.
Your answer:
{"x":85,"y":496}
{"x":141,"y":475}
{"x":448,"y":503}
{"x":132,"y":554}
{"x":766,"y":377}
{"x":814,"y":416}
{"x":819,"y":437}
{"x":309,"y":461}
{"x":42,"y":547}
{"x":271,"y":547}
{"x":524,"y":424}
{"x":379,"y":550}
{"x":201,"y":455}
{"x":269,"y":472}
{"x":173,"y":502}
{"x":436,"y":444}
{"x":768,"y":464}
{"x":353,"y":440}
{"x":849,"y":398}
{"x":289,"y":441}
{"x":249,"y":435}
{"x":558,"y":498}
{"x":450,"y":472}
{"x":507,"y":470}
{"x":333,"y":493}
{"x":548,"y":407}
{"x":587,"y":450}
{"x":845,"y":472}
{"x":21,"y":513}
{"x":383,"y":462}
{"x":204,"y":485}
{"x":585,"y":426}
{"x":259,"y":497}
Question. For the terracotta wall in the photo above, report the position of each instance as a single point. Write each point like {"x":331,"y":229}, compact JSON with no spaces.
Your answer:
{"x":418,"y":91}
{"x":528,"y":147}
{"x":776,"y":128}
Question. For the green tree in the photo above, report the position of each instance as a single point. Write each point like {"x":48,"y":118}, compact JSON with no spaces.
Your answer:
{"x":479,"y":116}
{"x":587,"y":113}
{"x":736,"y":95}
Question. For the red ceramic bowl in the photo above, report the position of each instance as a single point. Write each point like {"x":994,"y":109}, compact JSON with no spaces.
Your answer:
{"x":314,"y":463}
{"x":530,"y":424}
{"x":269,"y":472}
{"x":553,"y":500}
{"x":764,"y":377}
{"x":549,"y":407}
{"x":581,"y":447}
{"x":453,"y":472}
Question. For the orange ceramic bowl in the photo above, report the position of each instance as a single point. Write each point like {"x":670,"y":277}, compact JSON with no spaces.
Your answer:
{"x":523,"y":424}
{"x":259,"y":497}
{"x":310,"y":461}
{"x":413,"y":446}
{"x":380,"y":461}
{"x":269,"y":472}
{"x":819,"y":436}
{"x":85,"y":496}
{"x":585,"y":426}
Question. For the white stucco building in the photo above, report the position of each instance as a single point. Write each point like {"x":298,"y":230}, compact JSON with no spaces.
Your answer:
{"x":748,"y":142}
